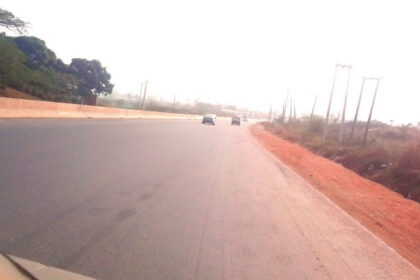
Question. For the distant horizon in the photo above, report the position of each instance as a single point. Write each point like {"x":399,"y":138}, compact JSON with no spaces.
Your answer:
{"x":243,"y":54}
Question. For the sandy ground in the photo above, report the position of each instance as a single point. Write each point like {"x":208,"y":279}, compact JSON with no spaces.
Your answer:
{"x":389,"y":215}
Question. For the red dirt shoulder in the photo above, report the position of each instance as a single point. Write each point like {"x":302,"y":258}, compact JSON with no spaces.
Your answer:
{"x":389,"y":215}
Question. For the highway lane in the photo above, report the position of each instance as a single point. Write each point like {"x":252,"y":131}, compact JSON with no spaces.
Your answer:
{"x":131,"y":199}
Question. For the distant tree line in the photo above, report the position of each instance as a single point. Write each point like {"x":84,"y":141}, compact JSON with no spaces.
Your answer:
{"x":28,"y":65}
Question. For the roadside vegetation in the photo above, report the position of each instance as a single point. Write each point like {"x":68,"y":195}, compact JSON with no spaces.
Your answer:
{"x":194,"y":108}
{"x":29,"y":66}
{"x":390,"y":157}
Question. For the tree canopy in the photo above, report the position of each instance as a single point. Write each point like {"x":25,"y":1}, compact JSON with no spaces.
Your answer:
{"x":27,"y":64}
{"x":37,"y":53}
{"x":94,"y":78}
{"x":11,"y":22}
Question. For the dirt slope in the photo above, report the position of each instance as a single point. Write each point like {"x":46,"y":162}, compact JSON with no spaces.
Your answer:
{"x":386,"y":213}
{"x":12,"y":93}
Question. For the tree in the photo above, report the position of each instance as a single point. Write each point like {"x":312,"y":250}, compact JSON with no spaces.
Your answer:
{"x":39,"y":56}
{"x":45,"y":82}
{"x":8,"y":20}
{"x":94,"y":79}
{"x":27,"y":64}
{"x":13,"y":71}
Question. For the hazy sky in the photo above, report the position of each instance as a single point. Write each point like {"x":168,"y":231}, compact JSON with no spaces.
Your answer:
{"x":245,"y":53}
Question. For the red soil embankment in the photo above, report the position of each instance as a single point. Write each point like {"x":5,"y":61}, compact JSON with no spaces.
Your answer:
{"x":12,"y":93}
{"x":387,"y":214}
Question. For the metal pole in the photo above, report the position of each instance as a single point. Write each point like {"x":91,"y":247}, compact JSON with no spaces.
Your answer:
{"x":283,"y":109}
{"x":140,"y":95}
{"x":343,"y":116}
{"x":144,"y":95}
{"x":313,"y":107}
{"x":283,"y":115}
{"x":291,"y":110}
{"x":371,"y":110}
{"x":357,"y":111}
{"x":324,"y":135}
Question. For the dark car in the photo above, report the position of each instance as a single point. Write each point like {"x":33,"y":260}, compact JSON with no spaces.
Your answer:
{"x":209,"y":118}
{"x":236,"y":120}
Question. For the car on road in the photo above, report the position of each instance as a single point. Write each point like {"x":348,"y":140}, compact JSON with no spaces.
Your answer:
{"x":236,"y":120}
{"x":245,"y":118}
{"x":209,"y":118}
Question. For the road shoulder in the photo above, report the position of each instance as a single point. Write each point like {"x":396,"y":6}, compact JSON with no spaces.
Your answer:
{"x":385,"y":213}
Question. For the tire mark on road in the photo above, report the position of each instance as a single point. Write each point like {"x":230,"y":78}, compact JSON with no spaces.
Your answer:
{"x":27,"y":238}
{"x":101,"y":234}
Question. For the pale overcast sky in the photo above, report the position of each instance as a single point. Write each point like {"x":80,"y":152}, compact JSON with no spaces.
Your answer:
{"x":245,"y":53}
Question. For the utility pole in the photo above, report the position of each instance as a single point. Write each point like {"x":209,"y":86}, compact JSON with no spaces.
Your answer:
{"x":324,"y":135}
{"x":337,"y":66}
{"x":294,"y":109}
{"x":313,"y":107}
{"x":371,"y":110}
{"x":140,"y":95}
{"x":291,"y":110}
{"x":271,"y":110}
{"x":144,"y":95}
{"x":343,"y":115}
{"x":283,"y":115}
{"x":174,"y":100}
{"x":357,"y":110}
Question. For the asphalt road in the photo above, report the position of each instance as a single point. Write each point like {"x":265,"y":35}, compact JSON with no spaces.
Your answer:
{"x":129,"y":199}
